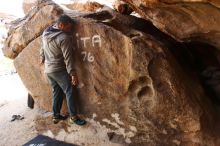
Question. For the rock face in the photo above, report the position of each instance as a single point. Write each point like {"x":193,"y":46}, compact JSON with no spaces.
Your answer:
{"x":122,"y":7}
{"x":89,"y":6}
{"x":184,"y":20}
{"x":129,"y":79}
{"x":27,"y":5}
{"x":24,"y":31}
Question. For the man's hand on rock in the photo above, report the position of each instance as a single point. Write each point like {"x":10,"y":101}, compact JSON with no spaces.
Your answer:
{"x":74,"y":80}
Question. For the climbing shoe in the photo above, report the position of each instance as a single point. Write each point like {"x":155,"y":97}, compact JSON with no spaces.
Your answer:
{"x":58,"y":118}
{"x":77,"y":120}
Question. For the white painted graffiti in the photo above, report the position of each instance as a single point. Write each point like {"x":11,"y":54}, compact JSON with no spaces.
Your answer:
{"x":95,"y":40}
{"x":87,"y":56}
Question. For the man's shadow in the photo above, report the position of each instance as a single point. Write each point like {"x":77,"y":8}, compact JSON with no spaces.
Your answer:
{"x":77,"y":100}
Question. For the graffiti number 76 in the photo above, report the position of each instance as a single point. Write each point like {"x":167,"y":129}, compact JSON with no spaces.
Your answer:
{"x":87,"y":56}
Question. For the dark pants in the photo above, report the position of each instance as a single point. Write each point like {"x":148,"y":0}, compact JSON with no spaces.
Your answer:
{"x":60,"y":83}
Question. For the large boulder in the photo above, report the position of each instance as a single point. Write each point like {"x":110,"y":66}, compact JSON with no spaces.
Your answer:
{"x":129,"y":79}
{"x":23,"y":31}
{"x":184,"y":20}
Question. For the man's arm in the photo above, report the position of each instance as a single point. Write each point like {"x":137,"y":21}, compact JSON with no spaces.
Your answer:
{"x":67,"y":50}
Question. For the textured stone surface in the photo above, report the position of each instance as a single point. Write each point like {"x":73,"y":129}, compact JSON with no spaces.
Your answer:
{"x":27,"y":5}
{"x":32,"y":74}
{"x":184,"y":20}
{"x":122,"y":7}
{"x":129,"y":81}
{"x":88,"y":6}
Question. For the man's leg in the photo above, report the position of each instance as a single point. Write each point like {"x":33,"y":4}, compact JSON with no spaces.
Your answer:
{"x":65,"y":84}
{"x":57,"y":95}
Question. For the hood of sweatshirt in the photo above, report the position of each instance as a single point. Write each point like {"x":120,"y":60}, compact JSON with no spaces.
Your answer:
{"x":51,"y":33}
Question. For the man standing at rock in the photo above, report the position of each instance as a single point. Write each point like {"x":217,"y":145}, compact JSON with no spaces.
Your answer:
{"x":57,"y":55}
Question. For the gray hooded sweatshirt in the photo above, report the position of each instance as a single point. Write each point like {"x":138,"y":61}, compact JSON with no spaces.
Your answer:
{"x":57,"y":51}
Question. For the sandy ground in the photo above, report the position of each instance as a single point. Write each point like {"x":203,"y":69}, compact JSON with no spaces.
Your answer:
{"x":13,"y":98}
